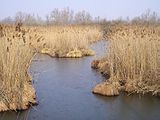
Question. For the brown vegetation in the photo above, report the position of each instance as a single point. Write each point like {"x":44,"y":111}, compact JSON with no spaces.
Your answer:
{"x":69,"y":41}
{"x":18,"y":46}
{"x":16,"y":53}
{"x":134,"y":58}
{"x":107,"y":88}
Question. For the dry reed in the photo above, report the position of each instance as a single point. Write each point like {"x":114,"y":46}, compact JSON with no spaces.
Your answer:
{"x":63,"y":39}
{"x":18,"y":46}
{"x":15,"y":57}
{"x":134,"y":58}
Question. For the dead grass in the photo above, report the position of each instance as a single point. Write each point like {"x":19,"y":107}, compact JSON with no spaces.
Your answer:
{"x":134,"y":58}
{"x":15,"y":57}
{"x":63,"y":39}
{"x":20,"y":44}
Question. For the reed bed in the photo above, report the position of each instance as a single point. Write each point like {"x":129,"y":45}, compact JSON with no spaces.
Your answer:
{"x":63,"y":39}
{"x":18,"y":46}
{"x":16,"y":91}
{"x":133,"y":59}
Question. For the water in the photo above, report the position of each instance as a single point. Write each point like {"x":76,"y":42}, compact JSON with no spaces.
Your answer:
{"x":64,"y":93}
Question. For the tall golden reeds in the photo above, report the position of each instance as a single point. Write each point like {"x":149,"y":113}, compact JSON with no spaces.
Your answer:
{"x":16,"y":91}
{"x":134,"y":58}
{"x":63,"y":39}
{"x":18,"y":46}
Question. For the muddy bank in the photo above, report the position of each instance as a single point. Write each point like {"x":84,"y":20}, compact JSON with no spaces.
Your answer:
{"x":19,"y":44}
{"x":133,"y":60}
{"x":64,"y":87}
{"x":27,"y":99}
{"x":75,"y":53}
{"x":113,"y":86}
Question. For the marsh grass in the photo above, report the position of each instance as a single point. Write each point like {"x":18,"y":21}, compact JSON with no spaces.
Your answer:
{"x":19,"y":44}
{"x":134,"y":57}
{"x":63,"y":39}
{"x":15,"y":57}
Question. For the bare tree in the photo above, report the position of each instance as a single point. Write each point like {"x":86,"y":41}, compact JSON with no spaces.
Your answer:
{"x":19,"y":17}
{"x":39,"y":20}
{"x":64,"y":16}
{"x":83,"y":17}
{"x":7,"y":20}
{"x":147,"y":17}
{"x":28,"y":19}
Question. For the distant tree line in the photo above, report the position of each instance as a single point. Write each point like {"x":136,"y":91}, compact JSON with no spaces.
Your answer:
{"x":56,"y":17}
{"x":148,"y":17}
{"x":66,"y":16}
{"x":24,"y":18}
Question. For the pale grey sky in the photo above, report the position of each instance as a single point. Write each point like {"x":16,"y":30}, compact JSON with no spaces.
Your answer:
{"x":109,"y":9}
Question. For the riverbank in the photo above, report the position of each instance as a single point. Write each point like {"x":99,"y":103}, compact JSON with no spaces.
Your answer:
{"x":70,"y":41}
{"x":17,"y":92}
{"x":63,"y":84}
{"x":21,"y":43}
{"x":133,"y":61}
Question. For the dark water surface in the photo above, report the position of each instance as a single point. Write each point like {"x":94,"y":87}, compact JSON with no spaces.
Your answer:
{"x":64,"y":93}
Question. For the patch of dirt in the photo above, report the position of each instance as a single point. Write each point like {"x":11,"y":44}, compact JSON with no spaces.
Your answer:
{"x":75,"y":53}
{"x":107,"y":89}
{"x":28,"y":99}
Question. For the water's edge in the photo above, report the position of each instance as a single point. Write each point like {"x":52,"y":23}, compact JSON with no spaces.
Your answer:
{"x":64,"y":87}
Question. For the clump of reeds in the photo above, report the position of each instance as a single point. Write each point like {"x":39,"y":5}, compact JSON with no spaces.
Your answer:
{"x":63,"y":39}
{"x":16,"y":91}
{"x":134,"y":58}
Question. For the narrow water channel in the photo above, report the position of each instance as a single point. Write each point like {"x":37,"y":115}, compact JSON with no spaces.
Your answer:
{"x":64,"y":93}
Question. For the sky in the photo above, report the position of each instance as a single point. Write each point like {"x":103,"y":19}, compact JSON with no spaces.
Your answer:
{"x":109,"y":9}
